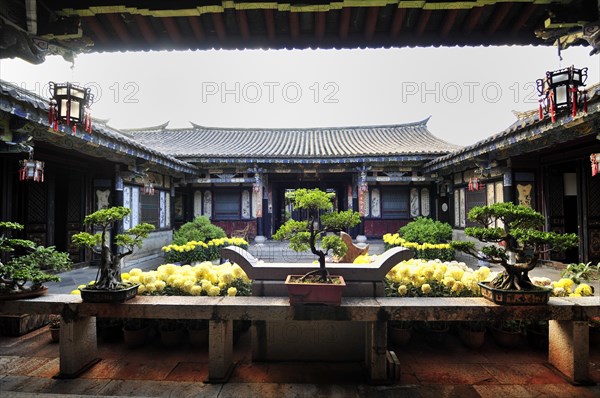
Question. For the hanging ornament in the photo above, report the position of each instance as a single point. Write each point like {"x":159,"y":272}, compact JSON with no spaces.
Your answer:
{"x":595,"y":158}
{"x":31,"y":169}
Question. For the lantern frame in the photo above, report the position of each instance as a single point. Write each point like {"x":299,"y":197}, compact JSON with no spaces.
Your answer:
{"x":70,"y":104}
{"x":31,"y":170}
{"x":560,"y":90}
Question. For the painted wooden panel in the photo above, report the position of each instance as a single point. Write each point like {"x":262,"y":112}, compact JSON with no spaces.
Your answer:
{"x":425,"y":202}
{"x":414,"y":202}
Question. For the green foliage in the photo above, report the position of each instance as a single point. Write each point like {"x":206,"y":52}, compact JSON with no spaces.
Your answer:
{"x":581,"y":272}
{"x":199,"y":251}
{"x":25,"y":272}
{"x":199,"y":230}
{"x":109,"y":276}
{"x":303,"y":235}
{"x":426,"y":230}
{"x":521,"y":236}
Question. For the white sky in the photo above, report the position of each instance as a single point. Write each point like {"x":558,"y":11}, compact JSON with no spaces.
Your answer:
{"x":469,"y":92}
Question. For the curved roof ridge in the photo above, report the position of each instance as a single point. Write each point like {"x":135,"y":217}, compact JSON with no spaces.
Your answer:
{"x":151,"y":128}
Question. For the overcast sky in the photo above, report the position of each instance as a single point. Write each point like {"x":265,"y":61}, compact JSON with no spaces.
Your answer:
{"x":468,"y":92}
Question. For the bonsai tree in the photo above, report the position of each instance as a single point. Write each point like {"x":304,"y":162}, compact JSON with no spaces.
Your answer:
{"x":303,"y":235}
{"x":109,"y":274}
{"x":521,"y":239}
{"x":24,"y":272}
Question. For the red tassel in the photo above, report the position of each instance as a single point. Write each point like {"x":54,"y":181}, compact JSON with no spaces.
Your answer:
{"x":74,"y":128}
{"x":573,"y":101}
{"x":552,"y":108}
{"x":50,"y":114}
{"x":55,"y":124}
{"x":541,"y":111}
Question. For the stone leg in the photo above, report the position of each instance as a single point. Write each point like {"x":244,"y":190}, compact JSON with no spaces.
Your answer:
{"x":78,"y":346}
{"x":569,"y":349}
{"x":220,"y":351}
{"x":375,"y":354}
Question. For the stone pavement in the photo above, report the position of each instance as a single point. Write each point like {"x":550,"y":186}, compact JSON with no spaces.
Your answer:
{"x":28,"y":363}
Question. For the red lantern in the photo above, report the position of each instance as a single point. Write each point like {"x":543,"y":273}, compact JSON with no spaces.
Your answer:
{"x":31,"y":170}
{"x":70,"y":104}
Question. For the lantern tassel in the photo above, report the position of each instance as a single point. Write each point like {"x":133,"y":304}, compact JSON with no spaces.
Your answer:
{"x":540,"y":110}
{"x":552,"y":107}
{"x":573,"y":101}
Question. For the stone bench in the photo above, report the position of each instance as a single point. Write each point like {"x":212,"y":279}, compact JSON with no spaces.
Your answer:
{"x":568,"y":342}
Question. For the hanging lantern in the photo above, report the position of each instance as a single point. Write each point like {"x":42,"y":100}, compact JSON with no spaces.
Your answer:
{"x":148,"y":188}
{"x":595,"y":158}
{"x":70,"y":104}
{"x":474,"y":184}
{"x":31,"y":169}
{"x":560,"y":90}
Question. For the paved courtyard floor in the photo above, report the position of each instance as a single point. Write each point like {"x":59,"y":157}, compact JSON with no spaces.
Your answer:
{"x":28,"y":363}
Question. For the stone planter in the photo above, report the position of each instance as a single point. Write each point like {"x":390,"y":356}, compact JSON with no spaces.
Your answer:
{"x":315,"y":293}
{"x":515,"y":297}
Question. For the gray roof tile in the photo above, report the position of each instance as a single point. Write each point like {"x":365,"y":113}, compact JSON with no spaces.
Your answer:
{"x":306,"y":143}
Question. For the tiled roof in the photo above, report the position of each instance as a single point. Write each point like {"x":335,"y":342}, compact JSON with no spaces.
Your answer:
{"x":411,"y":139}
{"x":20,"y":102}
{"x":526,"y":128}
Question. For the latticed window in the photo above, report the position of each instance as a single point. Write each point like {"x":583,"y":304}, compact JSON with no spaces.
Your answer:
{"x":395,"y":203}
{"x":227,"y":205}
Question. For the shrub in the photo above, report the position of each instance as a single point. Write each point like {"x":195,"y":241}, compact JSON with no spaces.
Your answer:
{"x":200,"y":251}
{"x":199,"y":230}
{"x":426,"y":230}
{"x":428,"y":251}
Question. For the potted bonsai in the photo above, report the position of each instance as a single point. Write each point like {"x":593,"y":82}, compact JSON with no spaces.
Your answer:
{"x":22,"y":275}
{"x":517,"y":246}
{"x":316,"y":286}
{"x":54,"y":327}
{"x":108,"y":286}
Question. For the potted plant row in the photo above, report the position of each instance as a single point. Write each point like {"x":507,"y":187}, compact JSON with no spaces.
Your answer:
{"x":317,"y":286}
{"x":108,"y":286}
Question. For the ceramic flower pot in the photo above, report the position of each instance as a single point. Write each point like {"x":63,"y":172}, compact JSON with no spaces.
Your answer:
{"x":134,"y":338}
{"x":399,"y":336}
{"x":506,"y":338}
{"x":55,"y":334}
{"x":315,"y":293}
{"x":472,"y":338}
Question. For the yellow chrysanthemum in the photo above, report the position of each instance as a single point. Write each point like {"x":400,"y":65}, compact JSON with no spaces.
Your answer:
{"x":232,"y":291}
{"x":76,"y":291}
{"x":214,"y":291}
{"x":426,"y":288}
{"x":402,"y":290}
{"x":584,"y":290}
{"x":135,"y":272}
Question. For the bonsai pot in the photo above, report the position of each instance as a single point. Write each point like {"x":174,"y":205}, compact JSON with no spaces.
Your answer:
{"x":537,"y":296}
{"x":91,"y":295}
{"x":315,"y":293}
{"x":24,"y":294}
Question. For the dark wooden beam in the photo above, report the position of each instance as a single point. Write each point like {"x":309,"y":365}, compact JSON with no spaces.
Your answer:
{"x":371,"y":22}
{"x":525,"y":14}
{"x":242,"y":21}
{"x":119,"y":27}
{"x":96,"y":29}
{"x":320,"y":19}
{"x":172,"y":29}
{"x":294,"y":25}
{"x":145,"y":28}
{"x":473,"y":19}
{"x":448,"y":22}
{"x":345,"y":22}
{"x":196,"y":26}
{"x":423,"y":20}
{"x":270,"y":23}
{"x":500,"y":12}
{"x":217,"y":19}
{"x":397,"y":22}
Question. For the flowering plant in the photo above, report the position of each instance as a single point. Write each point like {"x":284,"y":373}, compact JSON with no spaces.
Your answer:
{"x":433,"y":278}
{"x":430,"y":251}
{"x":200,"y":251}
